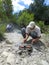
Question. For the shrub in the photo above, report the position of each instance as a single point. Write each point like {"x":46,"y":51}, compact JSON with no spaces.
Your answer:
{"x":1,"y":36}
{"x":41,"y":25}
{"x":25,"y":18}
{"x":2,"y":30}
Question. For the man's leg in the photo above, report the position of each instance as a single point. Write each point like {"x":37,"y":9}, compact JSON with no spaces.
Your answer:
{"x":23,"y":31}
{"x":34,"y":36}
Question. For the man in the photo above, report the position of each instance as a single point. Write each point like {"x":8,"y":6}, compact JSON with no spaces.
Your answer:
{"x":31,"y":30}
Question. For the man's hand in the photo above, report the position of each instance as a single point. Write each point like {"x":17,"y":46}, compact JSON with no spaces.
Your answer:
{"x":25,"y":39}
{"x":33,"y":40}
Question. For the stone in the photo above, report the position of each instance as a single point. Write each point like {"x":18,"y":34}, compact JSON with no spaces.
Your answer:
{"x":47,"y":57}
{"x":25,"y":60}
{"x":17,"y":61}
{"x":11,"y":59}
{"x":8,"y":42}
{"x":5,"y":53}
{"x":43,"y":62}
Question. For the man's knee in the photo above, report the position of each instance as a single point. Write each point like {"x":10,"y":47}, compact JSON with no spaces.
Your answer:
{"x":34,"y":35}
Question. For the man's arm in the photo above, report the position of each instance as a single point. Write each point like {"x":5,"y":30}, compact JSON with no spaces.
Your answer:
{"x":27,"y":34}
{"x":25,"y":39}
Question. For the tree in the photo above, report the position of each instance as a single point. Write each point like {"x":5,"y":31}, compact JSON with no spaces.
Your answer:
{"x":46,"y":15}
{"x":25,"y":18}
{"x":7,"y":4}
{"x":37,"y":8}
{"x":2,"y":12}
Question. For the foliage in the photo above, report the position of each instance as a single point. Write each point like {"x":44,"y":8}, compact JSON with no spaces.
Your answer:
{"x":1,"y":36}
{"x":25,"y":18}
{"x":2,"y":31}
{"x":8,"y":7}
{"x":6,"y":10}
{"x":14,"y":18}
{"x":44,"y":28}
{"x":40,"y":10}
{"x":2,"y":27}
{"x":2,"y":12}
{"x":3,"y":16}
{"x":37,"y":11}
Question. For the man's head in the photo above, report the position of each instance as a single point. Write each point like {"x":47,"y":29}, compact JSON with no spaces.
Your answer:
{"x":31,"y":25}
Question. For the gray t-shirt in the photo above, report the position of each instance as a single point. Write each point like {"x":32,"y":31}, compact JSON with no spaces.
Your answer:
{"x":36,"y":29}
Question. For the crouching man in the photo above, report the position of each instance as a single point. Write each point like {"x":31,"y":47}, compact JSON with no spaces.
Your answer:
{"x":31,"y":30}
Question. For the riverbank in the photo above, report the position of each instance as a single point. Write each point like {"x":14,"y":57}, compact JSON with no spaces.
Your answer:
{"x":9,"y":51}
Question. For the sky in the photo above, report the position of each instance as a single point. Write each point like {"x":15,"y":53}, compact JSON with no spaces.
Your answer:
{"x":47,"y":2}
{"x":21,"y":4}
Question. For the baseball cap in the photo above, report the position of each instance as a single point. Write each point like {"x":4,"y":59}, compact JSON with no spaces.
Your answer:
{"x":31,"y":24}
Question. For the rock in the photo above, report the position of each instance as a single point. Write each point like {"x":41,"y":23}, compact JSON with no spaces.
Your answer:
{"x":45,"y":39}
{"x":43,"y":62}
{"x":17,"y":61}
{"x":25,"y":61}
{"x":47,"y":57}
{"x":8,"y":42}
{"x":5,"y":53}
{"x":11,"y":59}
{"x":19,"y":52}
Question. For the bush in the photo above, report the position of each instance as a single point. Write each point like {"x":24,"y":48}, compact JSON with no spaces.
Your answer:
{"x":2,"y":30}
{"x":41,"y":25}
{"x":1,"y":36}
{"x":25,"y":18}
{"x":47,"y":29}
{"x":44,"y":28}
